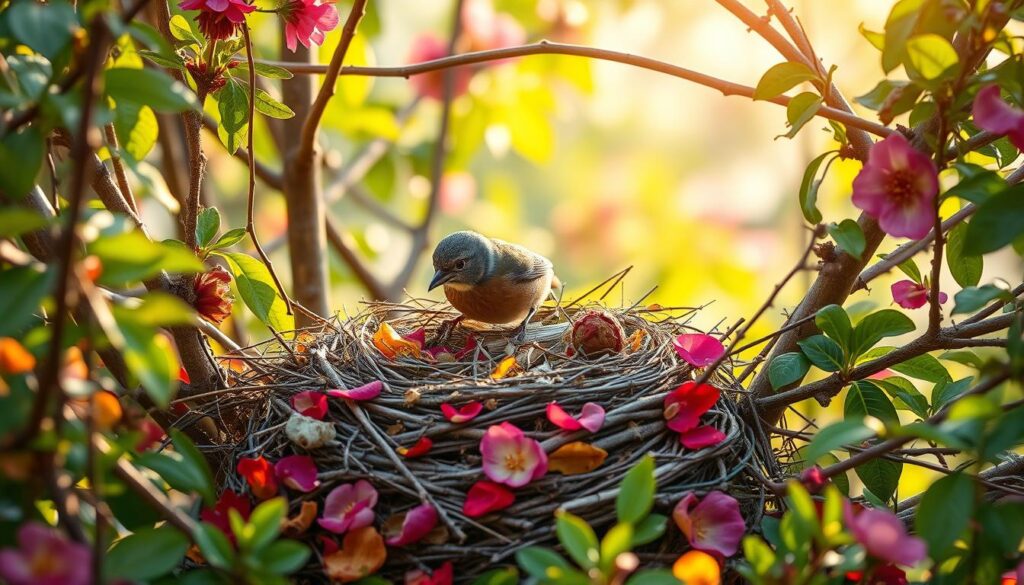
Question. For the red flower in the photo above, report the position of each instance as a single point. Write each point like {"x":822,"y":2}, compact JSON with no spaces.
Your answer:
{"x":260,"y":476}
{"x":213,"y":295}
{"x":306,"y":21}
{"x":218,"y":514}
{"x":911,"y":295}
{"x":218,"y":19}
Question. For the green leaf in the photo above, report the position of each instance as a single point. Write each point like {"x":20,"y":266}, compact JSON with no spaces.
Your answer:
{"x":257,"y":289}
{"x":506,"y":576}
{"x":944,"y":513}
{"x":617,"y":540}
{"x":809,"y":189}
{"x":233,"y":104}
{"x":653,"y":577}
{"x":23,"y":288}
{"x":149,"y":356}
{"x":923,"y":367}
{"x":149,"y":87}
{"x":864,"y":399}
{"x":787,"y":368}
{"x":636,"y":495}
{"x":966,"y":269}
{"x":46,"y":28}
{"x":266,"y":70}
{"x":757,"y":552}
{"x":160,"y":309}
{"x":21,"y":157}
{"x":649,"y":529}
{"x":541,"y":562}
{"x":879,"y":95}
{"x":977,"y":184}
{"x":215,"y":546}
{"x":781,"y":78}
{"x":185,"y":446}
{"x":15,"y":221}
{"x":145,"y":554}
{"x":881,"y":476}
{"x":834,"y":322}
{"x":284,"y":557}
{"x":266,"y":523}
{"x":836,"y":435}
{"x":998,"y":221}
{"x":824,"y":353}
{"x":165,"y":61}
{"x":904,"y":395}
{"x":136,"y":128}
{"x":946,"y":391}
{"x":228,"y":239}
{"x":931,"y":59}
{"x":175,"y":470}
{"x":182,"y":30}
{"x":207,"y":226}
{"x":578,"y":539}
{"x":131,"y":257}
{"x":898,"y":27}
{"x":800,"y":110}
{"x":849,"y":236}
{"x":973,"y":298}
{"x":268,"y":106}
{"x":875,"y":327}
{"x":964,"y":357}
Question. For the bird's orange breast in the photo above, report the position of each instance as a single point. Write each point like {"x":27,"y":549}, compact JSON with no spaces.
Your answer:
{"x":498,"y":300}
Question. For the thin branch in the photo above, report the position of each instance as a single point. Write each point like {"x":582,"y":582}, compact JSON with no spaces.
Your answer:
{"x":550,"y":48}
{"x":119,"y":172}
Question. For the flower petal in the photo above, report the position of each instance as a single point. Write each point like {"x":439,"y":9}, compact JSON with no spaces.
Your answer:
{"x":485,"y":497}
{"x":701,"y":437}
{"x":463,"y":414}
{"x":421,"y":448}
{"x":260,"y":476}
{"x":561,"y":419}
{"x":511,"y":458}
{"x":310,"y":403}
{"x":718,"y":524}
{"x":349,"y":506}
{"x":360,"y":394}
{"x":418,"y":522}
{"x":698,"y":349}
{"x":992,"y":113}
{"x":297,"y":472}
{"x":686,"y":404}
{"x":362,"y":553}
{"x":697,"y":567}
{"x":909,"y":294}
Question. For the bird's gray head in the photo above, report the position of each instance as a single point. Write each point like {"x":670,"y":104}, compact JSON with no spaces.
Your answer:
{"x":464,"y":258}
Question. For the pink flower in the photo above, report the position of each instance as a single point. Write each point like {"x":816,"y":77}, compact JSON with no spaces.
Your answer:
{"x":995,"y":115}
{"x":685,"y":405}
{"x":486,"y":29}
{"x":297,"y":472}
{"x":698,"y":350}
{"x":361,"y":394}
{"x":911,"y":295}
{"x":701,"y":437}
{"x":442,"y":576}
{"x":418,"y":523}
{"x":591,"y":417}
{"x":348,"y":507}
{"x":485,"y":497}
{"x":510,"y":457}
{"x":884,"y":537}
{"x":45,"y":557}
{"x":897,"y":186}
{"x":218,"y":19}
{"x":305,"y":21}
{"x":427,"y":48}
{"x":310,"y":403}
{"x":463,"y":414}
{"x":260,"y":476}
{"x":713,"y":525}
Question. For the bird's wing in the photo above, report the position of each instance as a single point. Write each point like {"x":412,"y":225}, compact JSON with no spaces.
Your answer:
{"x":519,"y":264}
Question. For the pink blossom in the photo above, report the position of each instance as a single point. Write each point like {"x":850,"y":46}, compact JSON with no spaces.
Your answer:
{"x":686,"y":404}
{"x":427,"y":48}
{"x":485,"y":497}
{"x":485,"y":29}
{"x":44,"y":556}
{"x":359,"y":394}
{"x":712,"y":525}
{"x":701,"y":437}
{"x":218,"y":19}
{"x":297,"y":472}
{"x":306,"y":21}
{"x":418,"y":523}
{"x":897,"y":187}
{"x":995,"y":115}
{"x":698,"y":350}
{"x":911,"y":295}
{"x":463,"y":414}
{"x":349,"y":506}
{"x":443,"y":575}
{"x":884,"y":537}
{"x":510,"y":457}
{"x":310,"y":403}
{"x":591,"y":417}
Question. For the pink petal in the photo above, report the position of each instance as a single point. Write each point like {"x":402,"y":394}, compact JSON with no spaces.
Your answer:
{"x":419,"y":337}
{"x":943,"y":297}
{"x":349,"y":506}
{"x":592,"y":417}
{"x":468,"y":349}
{"x":995,"y":115}
{"x":701,"y":437}
{"x":913,"y":220}
{"x":297,"y":472}
{"x":713,"y":525}
{"x":909,"y":294}
{"x":465,"y":413}
{"x":698,"y":350}
{"x":485,"y":497}
{"x":362,"y":393}
{"x":418,"y":523}
{"x":686,"y":404}
{"x":884,"y":537}
{"x":561,"y":419}
{"x":310,"y":403}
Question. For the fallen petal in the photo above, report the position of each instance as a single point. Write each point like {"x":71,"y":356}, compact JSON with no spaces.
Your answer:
{"x":310,"y":403}
{"x":421,"y":448}
{"x":698,"y":349}
{"x":485,"y":497}
{"x":463,"y":414}
{"x":260,"y":476}
{"x":418,"y":522}
{"x":362,"y":554}
{"x":561,"y":419}
{"x":592,"y":417}
{"x":576,"y":458}
{"x":297,"y":472}
{"x":701,"y":437}
{"x":506,"y":368}
{"x":297,"y":525}
{"x":360,"y":394}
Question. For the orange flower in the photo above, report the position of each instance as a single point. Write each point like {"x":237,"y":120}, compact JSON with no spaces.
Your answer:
{"x":697,"y":568}
{"x":362,"y":553}
{"x":213,"y":295}
{"x":14,"y":358}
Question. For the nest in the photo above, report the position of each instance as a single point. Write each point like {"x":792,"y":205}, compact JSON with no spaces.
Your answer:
{"x":630,"y":385}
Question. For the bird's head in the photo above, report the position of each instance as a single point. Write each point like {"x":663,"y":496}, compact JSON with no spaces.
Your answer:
{"x":462,"y":258}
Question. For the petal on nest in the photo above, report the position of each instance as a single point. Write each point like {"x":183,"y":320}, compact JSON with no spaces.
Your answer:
{"x":297,"y":472}
{"x":485,"y":497}
{"x":463,"y":414}
{"x":417,"y":523}
{"x":362,"y":393}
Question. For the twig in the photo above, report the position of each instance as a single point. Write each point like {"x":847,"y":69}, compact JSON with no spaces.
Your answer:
{"x":119,"y":172}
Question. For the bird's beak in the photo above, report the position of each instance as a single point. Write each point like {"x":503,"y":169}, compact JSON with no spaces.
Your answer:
{"x":440,"y":277}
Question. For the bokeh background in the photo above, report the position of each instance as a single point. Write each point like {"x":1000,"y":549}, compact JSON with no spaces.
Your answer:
{"x":596,"y":165}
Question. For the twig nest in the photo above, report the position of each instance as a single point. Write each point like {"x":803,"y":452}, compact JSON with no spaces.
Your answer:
{"x":307,"y":432}
{"x":597,"y":333}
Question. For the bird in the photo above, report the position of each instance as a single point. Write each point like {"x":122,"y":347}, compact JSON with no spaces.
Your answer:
{"x":492,"y":281}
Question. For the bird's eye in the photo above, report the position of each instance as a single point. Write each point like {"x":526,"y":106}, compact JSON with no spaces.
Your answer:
{"x":460,"y":264}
